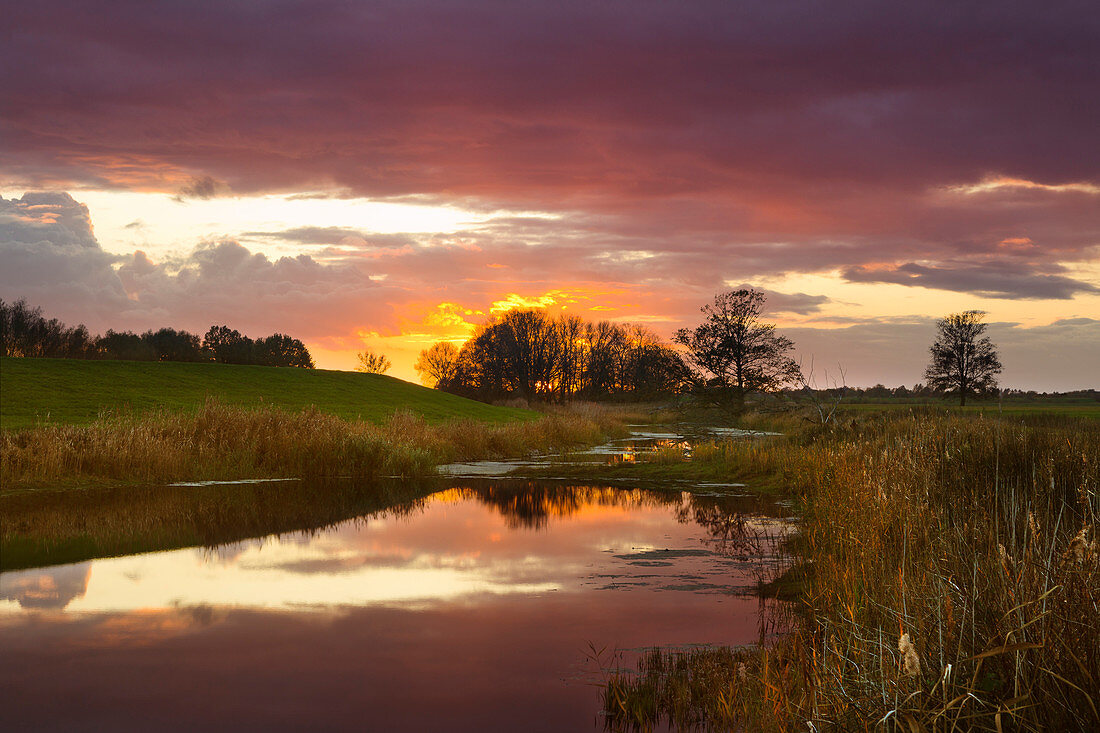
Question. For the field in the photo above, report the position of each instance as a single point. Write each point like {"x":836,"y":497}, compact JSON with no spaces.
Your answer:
{"x":76,"y":391}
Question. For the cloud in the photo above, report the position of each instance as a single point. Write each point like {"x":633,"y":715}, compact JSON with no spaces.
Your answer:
{"x":321,"y":235}
{"x":417,"y":288}
{"x":202,"y":187}
{"x":797,"y":303}
{"x":990,"y":279}
{"x":48,"y":588}
{"x":758,"y":137}
{"x":51,"y":257}
{"x":49,"y":254}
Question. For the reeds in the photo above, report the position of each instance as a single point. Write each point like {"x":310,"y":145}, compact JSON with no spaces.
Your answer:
{"x":220,"y":441}
{"x":961,"y":534}
{"x":955,"y":581}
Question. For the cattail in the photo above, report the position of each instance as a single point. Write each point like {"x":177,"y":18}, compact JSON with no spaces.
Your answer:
{"x":1006,"y":559}
{"x":910,"y":662}
{"x":742,"y":671}
{"x":1080,"y":549}
{"x":1033,"y":526}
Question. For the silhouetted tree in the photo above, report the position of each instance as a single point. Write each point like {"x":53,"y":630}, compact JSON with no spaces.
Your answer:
{"x":372,"y":363}
{"x":169,"y":344}
{"x":436,"y":364}
{"x":281,"y":350}
{"x":532,"y":355}
{"x":125,"y":345}
{"x":227,"y":345}
{"x":735,"y":353}
{"x":963,"y":361}
{"x":24,"y":331}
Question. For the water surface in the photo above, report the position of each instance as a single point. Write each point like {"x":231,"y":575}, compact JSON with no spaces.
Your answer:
{"x":493,"y":605}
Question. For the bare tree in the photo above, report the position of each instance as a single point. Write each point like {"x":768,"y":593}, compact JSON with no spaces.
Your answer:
{"x":736,"y":353}
{"x":963,"y":360}
{"x":372,"y":363}
{"x":436,"y":364}
{"x":824,"y":397}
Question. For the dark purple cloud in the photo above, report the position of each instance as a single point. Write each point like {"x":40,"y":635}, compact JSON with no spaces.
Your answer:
{"x":683,"y":145}
{"x":758,"y":121}
{"x":993,"y":280}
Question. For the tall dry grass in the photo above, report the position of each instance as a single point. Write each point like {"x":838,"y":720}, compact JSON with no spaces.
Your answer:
{"x":955,"y":581}
{"x":220,"y":441}
{"x":975,"y":538}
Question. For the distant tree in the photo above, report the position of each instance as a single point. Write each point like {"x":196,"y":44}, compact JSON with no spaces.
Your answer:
{"x":25,"y":332}
{"x":227,"y":345}
{"x":963,"y":361}
{"x":124,"y":345}
{"x":735,"y":352}
{"x":372,"y":363}
{"x":172,"y":345}
{"x":878,"y":392}
{"x":436,"y":364}
{"x":281,"y":350}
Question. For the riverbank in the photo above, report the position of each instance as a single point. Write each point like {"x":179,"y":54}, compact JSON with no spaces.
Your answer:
{"x":950,"y":581}
{"x":227,"y":442}
{"x":74,"y":492}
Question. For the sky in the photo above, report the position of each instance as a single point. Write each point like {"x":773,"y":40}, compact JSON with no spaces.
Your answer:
{"x":386,"y":175}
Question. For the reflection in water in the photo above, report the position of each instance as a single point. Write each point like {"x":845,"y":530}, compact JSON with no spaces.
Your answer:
{"x":48,"y":588}
{"x":468,"y":610}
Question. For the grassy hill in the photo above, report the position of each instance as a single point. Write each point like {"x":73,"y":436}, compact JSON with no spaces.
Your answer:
{"x":75,"y":391}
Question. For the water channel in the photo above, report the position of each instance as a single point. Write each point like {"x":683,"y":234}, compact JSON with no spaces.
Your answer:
{"x":491,"y":604}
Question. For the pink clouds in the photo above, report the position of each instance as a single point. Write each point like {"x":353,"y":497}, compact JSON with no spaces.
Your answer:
{"x":52,"y":258}
{"x":681,"y":146}
{"x":714,"y":127}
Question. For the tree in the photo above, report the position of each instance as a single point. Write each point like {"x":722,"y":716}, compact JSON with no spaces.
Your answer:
{"x":227,"y":345}
{"x":963,"y":360}
{"x":736,"y":353}
{"x":172,"y":345}
{"x":372,"y":363}
{"x":436,"y":364}
{"x":125,"y":345}
{"x":280,"y":350}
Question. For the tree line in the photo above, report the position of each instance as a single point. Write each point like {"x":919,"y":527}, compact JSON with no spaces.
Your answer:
{"x":731,"y":354}
{"x":25,"y":332}
{"x":531,"y":355}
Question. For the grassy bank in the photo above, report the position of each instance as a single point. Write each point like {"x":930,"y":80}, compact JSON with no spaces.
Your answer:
{"x":225,"y":442}
{"x":63,"y":527}
{"x":73,"y":492}
{"x":76,"y":392}
{"x":952,"y":582}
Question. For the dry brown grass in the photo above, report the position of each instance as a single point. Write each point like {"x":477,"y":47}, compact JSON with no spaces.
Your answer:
{"x":221,"y":441}
{"x":972,"y":537}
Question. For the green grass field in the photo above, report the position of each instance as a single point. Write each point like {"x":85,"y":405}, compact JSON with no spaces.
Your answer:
{"x":75,"y":391}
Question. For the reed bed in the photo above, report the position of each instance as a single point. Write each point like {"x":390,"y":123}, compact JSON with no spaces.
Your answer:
{"x":70,"y":493}
{"x":953,"y":584}
{"x":219,"y":442}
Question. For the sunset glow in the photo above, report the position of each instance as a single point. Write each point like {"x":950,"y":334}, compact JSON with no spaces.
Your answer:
{"x":387,"y":185}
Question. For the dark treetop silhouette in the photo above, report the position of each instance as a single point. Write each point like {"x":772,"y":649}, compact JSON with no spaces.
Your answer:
{"x":25,"y":332}
{"x":963,"y":360}
{"x":531,"y":355}
{"x":736,"y":353}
